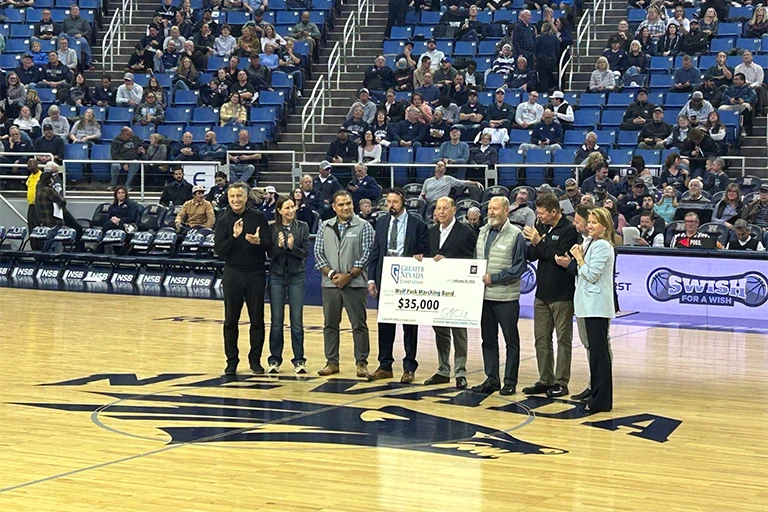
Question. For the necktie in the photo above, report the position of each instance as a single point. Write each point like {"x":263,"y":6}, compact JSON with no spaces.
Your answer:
{"x":393,"y":237}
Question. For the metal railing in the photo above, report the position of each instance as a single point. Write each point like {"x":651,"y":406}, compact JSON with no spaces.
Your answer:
{"x":320,"y":95}
{"x":116,"y":33}
{"x":583,"y":36}
{"x":350,"y":36}
{"x":270,"y":152}
{"x":566,"y":61}
{"x":334,"y":65}
{"x":599,"y":8}
{"x":364,"y":8}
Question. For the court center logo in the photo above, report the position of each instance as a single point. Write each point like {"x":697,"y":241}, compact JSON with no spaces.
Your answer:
{"x":750,"y":288}
{"x":528,"y":280}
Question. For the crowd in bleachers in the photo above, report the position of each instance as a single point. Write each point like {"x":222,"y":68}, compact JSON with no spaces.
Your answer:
{"x":205,"y":69}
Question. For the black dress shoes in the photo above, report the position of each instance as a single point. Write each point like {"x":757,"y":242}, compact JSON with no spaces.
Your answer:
{"x":537,"y":389}
{"x":583,"y":395}
{"x":231,"y":369}
{"x":508,"y":390}
{"x":437,"y":379}
{"x":557,"y":391}
{"x":461,"y":382}
{"x":486,"y":388}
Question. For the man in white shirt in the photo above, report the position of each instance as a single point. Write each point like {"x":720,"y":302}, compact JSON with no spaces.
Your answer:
{"x":440,"y":184}
{"x":530,"y":112}
{"x":562,"y":109}
{"x":130,"y":93}
{"x":754,"y":75}
{"x":433,"y":53}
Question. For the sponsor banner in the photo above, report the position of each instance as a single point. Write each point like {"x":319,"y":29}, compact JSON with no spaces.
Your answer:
{"x":694,"y":286}
{"x":149,"y":277}
{"x":97,"y":275}
{"x":48,"y":271}
{"x":445,"y":293}
{"x":74,"y":273}
{"x":23,"y":269}
{"x":5,"y":268}
{"x":123,"y":277}
{"x":189,"y":280}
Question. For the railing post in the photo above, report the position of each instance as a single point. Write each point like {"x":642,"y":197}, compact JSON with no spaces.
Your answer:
{"x":141,"y":182}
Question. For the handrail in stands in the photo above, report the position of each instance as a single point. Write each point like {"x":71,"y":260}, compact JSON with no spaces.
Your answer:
{"x":334,"y":65}
{"x":13,"y":209}
{"x":363,"y":6}
{"x":318,"y":97}
{"x":350,"y":36}
{"x":270,"y":152}
{"x":597,"y":6}
{"x":566,"y":61}
{"x":582,"y":34}
{"x":116,"y":33}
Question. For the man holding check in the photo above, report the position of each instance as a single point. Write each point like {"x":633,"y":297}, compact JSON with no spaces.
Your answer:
{"x":450,"y":239}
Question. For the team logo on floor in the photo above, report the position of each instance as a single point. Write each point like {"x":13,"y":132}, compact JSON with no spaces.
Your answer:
{"x":750,"y":288}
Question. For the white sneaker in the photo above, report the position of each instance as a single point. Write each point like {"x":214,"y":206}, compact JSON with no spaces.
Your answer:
{"x":273,"y":369}
{"x":300,"y":368}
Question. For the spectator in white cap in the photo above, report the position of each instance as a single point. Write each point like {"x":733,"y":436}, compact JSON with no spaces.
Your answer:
{"x":697,"y":109}
{"x":195,"y":213}
{"x":324,"y":186}
{"x":268,"y":206}
{"x":369,"y":107}
{"x":562,"y":109}
{"x":130,"y":93}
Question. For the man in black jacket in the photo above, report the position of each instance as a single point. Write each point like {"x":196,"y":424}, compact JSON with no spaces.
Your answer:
{"x":243,"y":239}
{"x":343,"y":149}
{"x":324,"y":186}
{"x":638,"y":113}
{"x":553,"y":236}
{"x":178,"y":191}
{"x":653,"y":134}
{"x":49,"y":143}
{"x":450,"y":239}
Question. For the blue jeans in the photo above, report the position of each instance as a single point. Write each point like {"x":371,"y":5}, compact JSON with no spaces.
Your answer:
{"x":241,"y":172}
{"x":180,"y":85}
{"x":292,"y":287}
{"x":115,"y":169}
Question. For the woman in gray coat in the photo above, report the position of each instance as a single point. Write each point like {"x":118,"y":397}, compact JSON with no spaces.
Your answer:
{"x":594,"y":302}
{"x":287,"y":281}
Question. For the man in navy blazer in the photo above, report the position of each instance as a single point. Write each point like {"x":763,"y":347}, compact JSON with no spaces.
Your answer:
{"x":397,"y":234}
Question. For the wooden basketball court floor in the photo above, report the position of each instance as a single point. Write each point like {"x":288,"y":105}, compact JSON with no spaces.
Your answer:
{"x":117,"y":403}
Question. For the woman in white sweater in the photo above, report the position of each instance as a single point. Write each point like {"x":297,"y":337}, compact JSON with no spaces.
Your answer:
{"x":369,"y":151}
{"x":602,"y":78}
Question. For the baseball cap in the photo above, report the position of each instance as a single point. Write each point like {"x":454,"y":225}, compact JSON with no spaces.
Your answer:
{"x":342,"y":129}
{"x":26,"y":56}
{"x":659,"y":109}
{"x":694,"y":21}
{"x":544,"y":189}
{"x":697,"y":95}
{"x":456,"y":127}
{"x":402,"y":64}
{"x":764,"y":187}
{"x":128,"y":76}
{"x":642,"y":89}
{"x":364,"y":90}
{"x":472,"y":92}
{"x":558,"y":94}
{"x":47,"y":126}
{"x":325,"y":164}
{"x":707,"y":78}
{"x":631,"y":172}
{"x":571,"y":184}
{"x":501,"y":89}
{"x":271,"y":189}
{"x":431,"y":40}
{"x":198,"y":188}
{"x":446,"y":60}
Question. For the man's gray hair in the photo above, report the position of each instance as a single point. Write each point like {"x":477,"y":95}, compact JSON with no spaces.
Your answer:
{"x":741,"y":224}
{"x":503,"y":200}
{"x":476,"y":210}
{"x":242,"y":186}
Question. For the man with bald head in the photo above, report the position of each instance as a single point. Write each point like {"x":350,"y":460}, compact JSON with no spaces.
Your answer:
{"x":503,"y":246}
{"x":125,"y":146}
{"x":450,"y":239}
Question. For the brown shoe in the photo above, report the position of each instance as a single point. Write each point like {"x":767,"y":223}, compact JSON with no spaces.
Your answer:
{"x":407,"y":377}
{"x":329,"y":369}
{"x":381,"y":374}
{"x":362,"y":370}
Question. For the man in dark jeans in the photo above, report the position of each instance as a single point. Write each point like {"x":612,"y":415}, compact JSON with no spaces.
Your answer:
{"x":243,"y":239}
{"x":396,"y":15}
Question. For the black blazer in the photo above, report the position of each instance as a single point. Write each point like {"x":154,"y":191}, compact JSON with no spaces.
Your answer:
{"x":416,"y":242}
{"x":460,"y":243}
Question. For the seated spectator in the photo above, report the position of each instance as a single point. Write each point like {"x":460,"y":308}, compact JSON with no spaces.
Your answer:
{"x":520,"y":212}
{"x":505,"y":62}
{"x":403,"y":76}
{"x":546,"y":135}
{"x":590,"y":146}
{"x":522,"y":78}
{"x":167,"y":11}
{"x":758,"y":25}
{"x":530,"y":112}
{"x":78,"y":29}
{"x":457,"y":92}
{"x":716,"y":180}
{"x":649,"y":236}
{"x":186,"y":78}
{"x":49,"y":143}
{"x":342,"y":149}
{"x":572,"y":197}
{"x":185,"y":150}
{"x":244,"y":166}
{"x":695,"y":194}
{"x":622,"y":35}
{"x":471,"y":115}
{"x":475,"y":219}
{"x":142,"y":60}
{"x":211,"y":150}
{"x":195,"y":213}
{"x":244,"y":88}
{"x":679,"y":133}
{"x":601,"y":177}
{"x":369,"y":150}
{"x":471,"y":29}
{"x":411,"y":58}
{"x":55,"y":74}
{"x":102,"y":95}
{"x":270,"y":36}
{"x":709,"y":23}
{"x":15,"y":144}
{"x":434,"y":55}
{"x":381,"y":129}
{"x":125,"y":147}
{"x":130,"y":93}
{"x":394,"y":110}
{"x":667,"y":206}
{"x":654,"y":23}
{"x":309,"y":194}
{"x":687,"y":76}
{"x":484,"y":153}
{"x":697,"y":109}
{"x":728,"y":210}
{"x":562,"y":109}
{"x":648,"y":205}
{"x":717,"y":130}
{"x":34,"y":103}
{"x":269,"y":202}
{"x":149,"y":112}
{"x":691,"y":232}
{"x":59,"y":122}
{"x":304,"y":212}
{"x":753,"y":75}
{"x":270,"y":59}
{"x":259,"y":75}
{"x":602,"y":78}
{"x":619,"y":221}
{"x":474,"y":79}
{"x":39,"y":57}
{"x":46,"y":29}
{"x":678,"y":18}
{"x":409,"y":132}
{"x":363,"y":186}
{"x":249,"y":42}
{"x":86,"y":130}
{"x":500,"y":114}
{"x":204,"y":40}
{"x":324,"y":185}
{"x":744,"y":241}
{"x":440,"y":184}
{"x":175,"y":37}
{"x":366,"y":210}
{"x":423,"y":67}
{"x":364,"y":102}
{"x":615,"y":55}
{"x":647,"y":43}
{"x":425,"y":111}
{"x":428,"y":91}
{"x":177,"y":191}
{"x":654,"y":134}
{"x":449,"y":109}
{"x":28,"y":72}
{"x":233,"y":113}
{"x":638,"y":113}
{"x":308,"y":31}
{"x":355,"y":125}
{"x":290,"y":63}
{"x":157,"y":151}
{"x":600,"y":194}
{"x":721,"y":74}
{"x":671,"y":43}
{"x":631,"y":203}
{"x":756,"y":212}
{"x":122,"y":211}
{"x":379,"y":76}
{"x":695,"y":42}
{"x":67,"y":55}
{"x":437,"y":131}
{"x":28,"y":124}
{"x":697,"y":148}
{"x":674,"y":174}
{"x":444,"y":76}
{"x":454,"y":151}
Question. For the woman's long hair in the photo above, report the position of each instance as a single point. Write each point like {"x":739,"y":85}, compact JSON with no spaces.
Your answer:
{"x":604,"y":218}
{"x":278,"y":206}
{"x":118,"y":188}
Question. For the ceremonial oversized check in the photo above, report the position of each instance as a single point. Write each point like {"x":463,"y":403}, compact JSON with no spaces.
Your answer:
{"x":447,"y":293}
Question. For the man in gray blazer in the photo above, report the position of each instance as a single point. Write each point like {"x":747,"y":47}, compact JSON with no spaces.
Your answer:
{"x":503,"y":246}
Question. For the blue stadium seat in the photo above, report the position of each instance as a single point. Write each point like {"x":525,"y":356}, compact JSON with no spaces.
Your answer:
{"x":110,"y":131}
{"x":427,"y":155}
{"x":620,"y":100}
{"x":181,"y":97}
{"x":263,"y":114}
{"x":487,"y":47}
{"x":22,"y":32}
{"x":68,"y":111}
{"x":205,"y":115}
{"x":670,"y":116}
{"x":258,"y":134}
{"x":494,"y":81}
{"x":590,"y":99}
{"x":510,"y":155}
{"x":542,"y":100}
{"x":659,"y":81}
{"x":620,"y":156}
{"x":164,"y":80}
{"x":517,"y":137}
{"x":198,"y":132}
{"x":740,"y":12}
{"x":46,"y":95}
{"x":535,"y":176}
{"x":606,"y":137}
{"x":141,"y":79}
{"x":465,"y":48}
{"x":508,"y":175}
{"x":143,"y":132}
{"x":171,"y":131}
{"x":226,"y":134}
{"x":401,"y":155}
{"x":676,"y":99}
{"x":564,"y":156}
{"x":400,"y":32}
{"x":282,"y":80}
{"x":538,"y":156}
{"x":722,"y":45}
{"x":16,"y":45}
{"x":504,"y":15}
{"x":574,"y":137}
{"x":627,"y":138}
{"x":586,"y":118}
{"x":288,"y":17}
{"x":485,"y":98}
{"x":16,"y":15}
{"x":430,"y":18}
{"x":100,"y":172}
{"x":635,"y":16}
{"x":178,"y":115}
{"x":729,"y":118}
{"x":424,"y":31}
{"x":238,"y":17}
{"x":276,"y":98}
{"x":9,"y":61}
{"x":121,"y":115}
{"x":393,"y":47}
{"x":280,"y":5}
{"x":666,"y":152}
{"x":445,"y":46}
{"x":651,"y":156}
{"x":75,"y":152}
{"x":661,"y":63}
{"x":729,"y":29}
{"x":485,"y":17}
